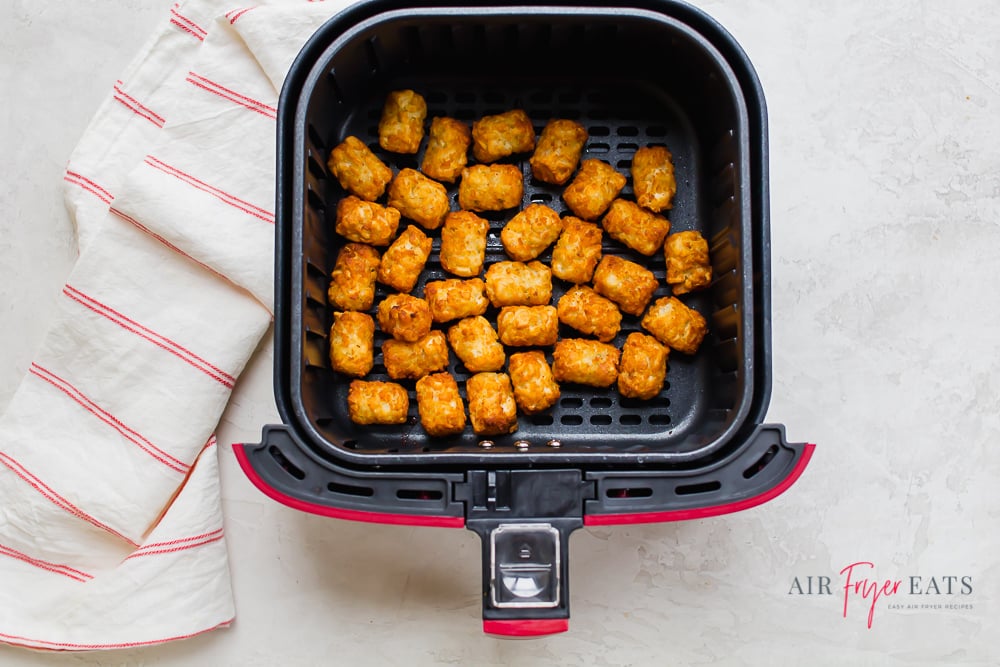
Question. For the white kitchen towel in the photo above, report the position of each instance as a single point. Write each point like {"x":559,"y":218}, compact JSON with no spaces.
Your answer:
{"x":111,"y":527}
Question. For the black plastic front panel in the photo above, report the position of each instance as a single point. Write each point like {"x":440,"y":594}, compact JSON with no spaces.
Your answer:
{"x":610,"y":74}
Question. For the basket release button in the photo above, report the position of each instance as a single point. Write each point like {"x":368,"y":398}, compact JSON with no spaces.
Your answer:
{"x":525,"y":566}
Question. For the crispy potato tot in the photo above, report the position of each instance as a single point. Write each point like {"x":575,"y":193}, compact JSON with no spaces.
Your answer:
{"x":352,"y":282}
{"x":447,"y":149}
{"x":412,"y":361}
{"x":490,"y":187}
{"x":377,"y":403}
{"x":535,"y":389}
{"x":528,"y":326}
{"x":352,"y":343}
{"x":639,"y":229}
{"x":366,"y":222}
{"x":653,"y":178}
{"x":495,"y":137}
{"x":403,"y":261}
{"x":454,"y":299}
{"x":688,"y":267}
{"x":419,"y":198}
{"x":558,"y":151}
{"x":439,"y":402}
{"x":643,"y":367}
{"x":590,"y":313}
{"x":401,"y":127}
{"x":463,"y":243}
{"x":675,"y":324}
{"x":358,"y":170}
{"x":475,"y":343}
{"x":530,"y":232}
{"x":583,"y":361}
{"x":404,"y":317}
{"x":518,"y":284}
{"x":626,"y":283}
{"x":492,"y":408}
{"x":577,"y":252}
{"x":594,"y":188}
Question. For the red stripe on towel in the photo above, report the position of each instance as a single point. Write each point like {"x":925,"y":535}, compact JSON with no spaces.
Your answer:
{"x":109,"y":419}
{"x":54,"y":497}
{"x":153,"y":337}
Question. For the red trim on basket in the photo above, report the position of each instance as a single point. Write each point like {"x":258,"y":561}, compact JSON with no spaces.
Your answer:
{"x":53,"y":497}
{"x":136,"y":107}
{"x":703,"y":512}
{"x":55,"y":568}
{"x":231,"y":95}
{"x":526,"y":627}
{"x":153,"y":337}
{"x":88,"y":185}
{"x":14,"y":639}
{"x":335,"y":512}
{"x":93,"y":408}
{"x":186,"y":24}
{"x":221,"y":195}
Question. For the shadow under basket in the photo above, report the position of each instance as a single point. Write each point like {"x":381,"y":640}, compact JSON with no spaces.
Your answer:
{"x":659,"y":73}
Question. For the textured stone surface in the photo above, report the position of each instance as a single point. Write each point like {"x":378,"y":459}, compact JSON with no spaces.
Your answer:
{"x":885,"y":184}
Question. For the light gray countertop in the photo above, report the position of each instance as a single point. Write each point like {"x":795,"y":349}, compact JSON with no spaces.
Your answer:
{"x":885,"y":201}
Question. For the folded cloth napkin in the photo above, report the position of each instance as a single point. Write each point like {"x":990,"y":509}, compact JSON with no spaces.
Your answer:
{"x":111,"y":527}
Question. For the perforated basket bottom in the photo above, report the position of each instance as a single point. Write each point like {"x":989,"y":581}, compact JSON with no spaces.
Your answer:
{"x":620,"y":116}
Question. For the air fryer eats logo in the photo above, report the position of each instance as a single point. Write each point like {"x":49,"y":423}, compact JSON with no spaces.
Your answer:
{"x":862,"y":592}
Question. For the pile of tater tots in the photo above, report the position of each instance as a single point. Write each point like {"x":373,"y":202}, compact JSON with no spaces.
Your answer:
{"x":506,"y":356}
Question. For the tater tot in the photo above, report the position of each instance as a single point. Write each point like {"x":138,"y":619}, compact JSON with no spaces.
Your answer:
{"x":439,"y":402}
{"x":352,"y":282}
{"x":495,"y":137}
{"x":588,"y":362}
{"x":577,"y":252}
{"x":419,"y":198}
{"x":352,"y":343}
{"x":675,"y":324}
{"x":626,"y":283}
{"x":639,"y":229}
{"x":447,"y":149}
{"x":475,"y":343}
{"x":528,"y":326}
{"x":358,"y":170}
{"x":365,"y":221}
{"x":402,"y":124}
{"x":653,"y":178}
{"x":490,"y":187}
{"x":404,"y":317}
{"x":412,"y":361}
{"x":377,"y":403}
{"x":463,"y":243}
{"x":492,"y":409}
{"x":594,"y":188}
{"x":518,"y":284}
{"x":590,"y":313}
{"x":558,"y":151}
{"x":530,"y":232}
{"x":535,"y":389}
{"x":643,"y":367}
{"x":454,"y":299}
{"x":403,"y":261}
{"x":688,"y":267}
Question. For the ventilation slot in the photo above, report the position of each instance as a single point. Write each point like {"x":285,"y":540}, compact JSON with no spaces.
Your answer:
{"x":761,"y":463}
{"x":693,"y":489}
{"x":419,"y":494}
{"x":641,"y":492}
{"x":351,"y":490}
{"x":285,"y":464}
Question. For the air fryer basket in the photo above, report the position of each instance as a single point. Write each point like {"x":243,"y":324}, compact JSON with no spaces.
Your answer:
{"x":661,"y":74}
